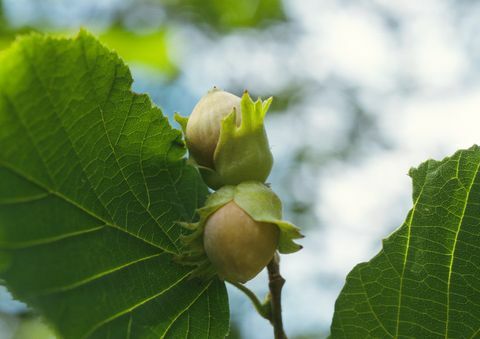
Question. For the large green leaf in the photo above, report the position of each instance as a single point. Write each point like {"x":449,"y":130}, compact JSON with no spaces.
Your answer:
{"x":425,"y":283}
{"x":92,"y":182}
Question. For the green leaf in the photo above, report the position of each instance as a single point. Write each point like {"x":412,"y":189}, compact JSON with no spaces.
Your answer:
{"x":92,"y":182}
{"x":425,"y":283}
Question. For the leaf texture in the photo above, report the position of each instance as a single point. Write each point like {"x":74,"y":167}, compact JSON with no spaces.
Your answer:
{"x":92,"y":182}
{"x":425,"y":282}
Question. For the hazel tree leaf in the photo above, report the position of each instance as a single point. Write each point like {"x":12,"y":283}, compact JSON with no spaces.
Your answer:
{"x":425,"y":282}
{"x":92,"y":183}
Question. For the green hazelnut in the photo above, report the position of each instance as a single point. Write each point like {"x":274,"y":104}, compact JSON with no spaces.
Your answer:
{"x":226,"y":138}
{"x":239,"y":230}
{"x":203,"y":127}
{"x":238,"y":246}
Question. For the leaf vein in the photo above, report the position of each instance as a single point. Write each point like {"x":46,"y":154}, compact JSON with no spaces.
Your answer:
{"x":132,"y":308}
{"x":96,"y":276}
{"x":115,"y":156}
{"x":455,"y":241}
{"x":45,"y":241}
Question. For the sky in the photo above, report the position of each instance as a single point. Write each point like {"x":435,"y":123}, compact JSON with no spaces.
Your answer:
{"x":418,"y":78}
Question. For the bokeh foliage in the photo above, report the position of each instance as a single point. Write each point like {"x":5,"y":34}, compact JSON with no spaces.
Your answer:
{"x":147,"y":42}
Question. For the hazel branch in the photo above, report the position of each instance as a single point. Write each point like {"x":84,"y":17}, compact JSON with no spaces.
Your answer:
{"x":276,"y":282}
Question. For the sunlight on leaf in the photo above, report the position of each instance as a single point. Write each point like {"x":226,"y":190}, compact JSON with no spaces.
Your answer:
{"x":92,"y":182}
{"x":425,"y":282}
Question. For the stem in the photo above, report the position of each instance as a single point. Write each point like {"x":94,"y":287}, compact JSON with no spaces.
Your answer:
{"x":271,"y":308}
{"x":275,"y":284}
{"x":262,"y":309}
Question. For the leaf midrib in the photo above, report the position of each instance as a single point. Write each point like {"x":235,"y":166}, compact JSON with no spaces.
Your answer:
{"x":460,"y":224}
{"x":407,"y":250}
{"x":73,"y":203}
{"x":187,"y":308}
{"x":145,"y":301}
{"x":95,"y":277}
{"x":58,"y":194}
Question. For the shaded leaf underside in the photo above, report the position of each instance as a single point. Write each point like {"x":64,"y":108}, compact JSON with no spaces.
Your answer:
{"x":92,"y":182}
{"x":425,"y":283}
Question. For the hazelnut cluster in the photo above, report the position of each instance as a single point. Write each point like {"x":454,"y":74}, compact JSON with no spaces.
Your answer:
{"x":240,"y":225}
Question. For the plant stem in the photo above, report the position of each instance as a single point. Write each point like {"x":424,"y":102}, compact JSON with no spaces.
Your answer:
{"x":275,"y":284}
{"x":271,"y":308}
{"x":262,"y":309}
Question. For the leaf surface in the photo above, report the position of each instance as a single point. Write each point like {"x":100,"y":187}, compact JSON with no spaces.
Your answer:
{"x":425,"y":282}
{"x":92,"y":182}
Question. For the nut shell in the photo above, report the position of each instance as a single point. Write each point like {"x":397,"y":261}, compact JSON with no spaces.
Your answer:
{"x":238,"y":246}
{"x":203,"y":127}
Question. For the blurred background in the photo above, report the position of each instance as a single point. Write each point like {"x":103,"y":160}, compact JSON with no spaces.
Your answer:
{"x":363,"y":90}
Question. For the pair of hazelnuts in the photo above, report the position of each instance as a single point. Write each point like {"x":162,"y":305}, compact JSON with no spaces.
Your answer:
{"x":241,"y":225}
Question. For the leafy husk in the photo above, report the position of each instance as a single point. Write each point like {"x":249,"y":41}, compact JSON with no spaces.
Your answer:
{"x":242,"y":152}
{"x":258,"y":201}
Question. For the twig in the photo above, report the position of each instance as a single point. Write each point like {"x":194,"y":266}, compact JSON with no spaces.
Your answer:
{"x":275,"y":284}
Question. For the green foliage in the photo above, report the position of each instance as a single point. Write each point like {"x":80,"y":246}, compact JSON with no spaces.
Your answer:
{"x":226,"y":15}
{"x":92,"y":183}
{"x":149,"y":48}
{"x":425,"y":282}
{"x":33,"y":328}
{"x":2,"y":15}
